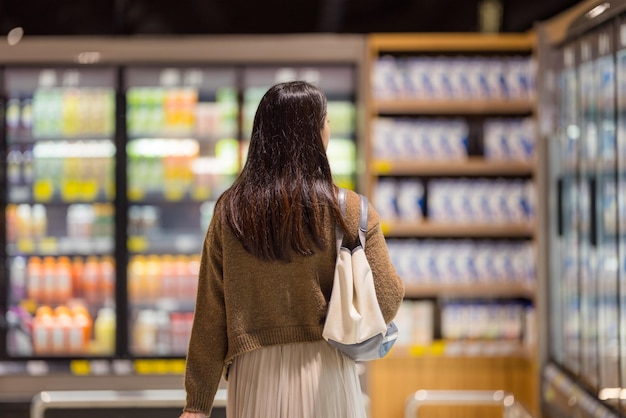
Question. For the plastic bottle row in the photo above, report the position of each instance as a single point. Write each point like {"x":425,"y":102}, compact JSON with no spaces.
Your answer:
{"x":70,"y":170}
{"x":84,"y":221}
{"x":175,"y":169}
{"x":54,"y":280}
{"x":456,"y":201}
{"x":482,"y":201}
{"x":72,"y":331}
{"x":420,"y":139}
{"x":178,"y":111}
{"x":465,"y":321}
{"x":510,"y":139}
{"x":447,"y":262}
{"x":158,"y":332}
{"x":163,"y":279}
{"x":484,"y":321}
{"x":62,"y":112}
{"x":454,"y":78}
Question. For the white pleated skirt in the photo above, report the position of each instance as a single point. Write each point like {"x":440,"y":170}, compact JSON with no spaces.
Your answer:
{"x":303,"y":380}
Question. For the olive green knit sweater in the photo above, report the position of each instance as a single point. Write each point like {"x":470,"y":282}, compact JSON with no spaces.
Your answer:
{"x":244,"y":303}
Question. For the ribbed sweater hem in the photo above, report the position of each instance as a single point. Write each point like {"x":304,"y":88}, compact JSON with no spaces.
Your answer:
{"x":272,"y":336}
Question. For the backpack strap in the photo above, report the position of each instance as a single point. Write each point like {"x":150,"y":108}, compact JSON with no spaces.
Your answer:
{"x":363,"y":216}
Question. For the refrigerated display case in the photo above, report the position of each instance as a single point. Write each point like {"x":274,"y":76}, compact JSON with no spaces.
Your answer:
{"x":583,"y":370}
{"x":182,"y":153}
{"x":117,"y":167}
{"x":60,"y":214}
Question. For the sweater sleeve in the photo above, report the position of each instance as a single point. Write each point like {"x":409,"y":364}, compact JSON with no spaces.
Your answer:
{"x":208,"y":343}
{"x":388,"y":284}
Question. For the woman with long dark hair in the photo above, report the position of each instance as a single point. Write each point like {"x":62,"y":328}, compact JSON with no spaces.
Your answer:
{"x":267,"y":273}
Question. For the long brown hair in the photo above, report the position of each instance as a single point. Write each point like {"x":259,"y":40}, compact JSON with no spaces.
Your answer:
{"x":275,"y":206}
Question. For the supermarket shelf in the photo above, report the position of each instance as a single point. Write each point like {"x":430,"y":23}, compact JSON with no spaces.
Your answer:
{"x":451,"y":107}
{"x":492,"y":348}
{"x":62,"y":246}
{"x":452,"y":42}
{"x":174,"y":135}
{"x":450,"y":230}
{"x":166,"y":244}
{"x":471,"y":166}
{"x":473,"y":290}
{"x":29,"y":139}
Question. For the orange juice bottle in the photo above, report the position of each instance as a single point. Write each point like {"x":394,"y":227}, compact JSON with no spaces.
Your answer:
{"x":12,"y":231}
{"x":91,"y":279}
{"x":153,"y":278}
{"x":49,"y":280}
{"x":136,"y":276}
{"x":42,"y":330}
{"x":80,"y":333}
{"x":63,"y":285}
{"x":77,"y":276}
{"x":34,"y":279}
{"x":168,"y":277}
{"x":192,"y":277}
{"x":107,"y":279}
{"x":180,"y":270}
{"x":61,"y":330}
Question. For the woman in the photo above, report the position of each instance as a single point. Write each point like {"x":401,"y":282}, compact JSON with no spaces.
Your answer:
{"x":267,"y":273}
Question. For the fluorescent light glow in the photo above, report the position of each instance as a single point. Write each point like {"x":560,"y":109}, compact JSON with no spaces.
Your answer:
{"x":598,"y":10}
{"x":612,"y":393}
{"x":15,"y":36}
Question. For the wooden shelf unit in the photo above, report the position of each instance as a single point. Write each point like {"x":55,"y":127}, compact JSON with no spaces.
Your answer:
{"x":408,"y":369}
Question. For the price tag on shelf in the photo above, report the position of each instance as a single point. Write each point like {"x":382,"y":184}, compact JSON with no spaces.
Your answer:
{"x":100,"y":367}
{"x":177,"y":366}
{"x":29,"y":305}
{"x":80,"y":367}
{"x":70,"y":191}
{"x":437,"y":348}
{"x":382,"y":166}
{"x":49,"y":245}
{"x":37,"y":367}
{"x":173,"y":194}
{"x":144,"y":367}
{"x":26,"y":246}
{"x":200,"y":193}
{"x":161,"y":366}
{"x":137,"y":244}
{"x":136,"y":194}
{"x":43,"y":190}
{"x":88,"y":190}
{"x":122,"y":367}
{"x":385,"y":227}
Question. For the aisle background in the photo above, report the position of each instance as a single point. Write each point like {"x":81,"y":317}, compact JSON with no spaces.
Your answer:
{"x":134,"y":17}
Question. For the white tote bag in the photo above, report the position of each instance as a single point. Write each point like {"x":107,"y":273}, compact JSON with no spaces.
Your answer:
{"x":354,"y":323}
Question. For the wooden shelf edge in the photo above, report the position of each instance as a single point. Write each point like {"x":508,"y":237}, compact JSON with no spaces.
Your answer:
{"x":451,"y":42}
{"x":471,"y":166}
{"x":474,"y":290}
{"x":463,"y":349}
{"x":451,"y":107}
{"x":434,"y":229}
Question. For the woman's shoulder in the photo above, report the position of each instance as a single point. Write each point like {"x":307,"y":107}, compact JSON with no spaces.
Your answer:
{"x":353,"y":210}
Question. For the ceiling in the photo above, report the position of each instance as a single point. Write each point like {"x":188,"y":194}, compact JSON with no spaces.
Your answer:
{"x":137,"y":17}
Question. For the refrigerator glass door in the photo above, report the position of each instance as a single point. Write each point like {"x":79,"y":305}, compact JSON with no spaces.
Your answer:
{"x":587,"y":185}
{"x":182,"y":153}
{"x":60,"y":127}
{"x":568,"y":291}
{"x":606,"y":215}
{"x":621,"y":199}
